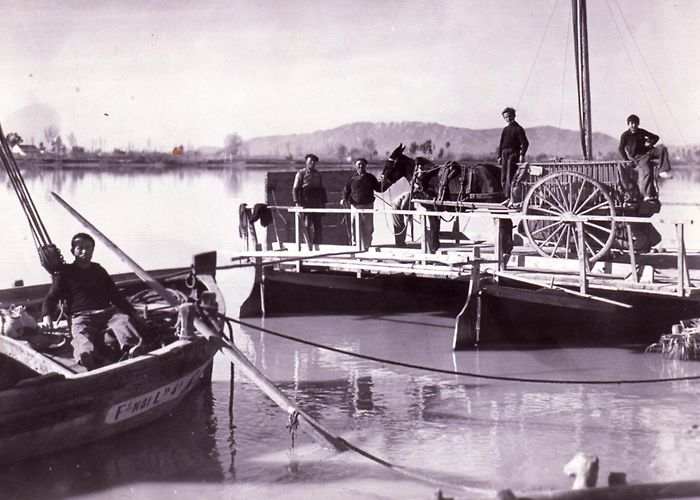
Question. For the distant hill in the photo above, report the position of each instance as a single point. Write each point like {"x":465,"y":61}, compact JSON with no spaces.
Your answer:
{"x":463,"y":142}
{"x":30,"y":122}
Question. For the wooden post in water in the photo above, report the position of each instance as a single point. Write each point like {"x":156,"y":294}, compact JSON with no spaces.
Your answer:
{"x":468,"y":322}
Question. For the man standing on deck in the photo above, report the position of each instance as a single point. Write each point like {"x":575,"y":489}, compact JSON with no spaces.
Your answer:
{"x":639,"y":145}
{"x":359,"y":192}
{"x":93,"y":302}
{"x":308,"y":192}
{"x":511,"y":149}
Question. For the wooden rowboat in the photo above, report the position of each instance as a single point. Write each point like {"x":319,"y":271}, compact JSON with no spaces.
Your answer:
{"x":48,"y":403}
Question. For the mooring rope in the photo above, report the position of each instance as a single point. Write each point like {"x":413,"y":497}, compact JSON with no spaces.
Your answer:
{"x":505,"y":378}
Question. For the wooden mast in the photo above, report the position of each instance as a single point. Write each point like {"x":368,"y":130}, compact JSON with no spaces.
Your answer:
{"x":580,"y":22}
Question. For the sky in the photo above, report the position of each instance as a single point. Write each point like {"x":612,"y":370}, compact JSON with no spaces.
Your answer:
{"x":153,"y":74}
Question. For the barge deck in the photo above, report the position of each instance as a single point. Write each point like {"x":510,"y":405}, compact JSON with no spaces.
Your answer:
{"x":496,"y":297}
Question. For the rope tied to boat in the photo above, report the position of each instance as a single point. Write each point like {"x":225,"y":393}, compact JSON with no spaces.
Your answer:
{"x":293,"y":425}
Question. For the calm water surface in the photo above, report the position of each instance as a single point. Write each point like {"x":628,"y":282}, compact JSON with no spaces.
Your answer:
{"x":455,"y":429}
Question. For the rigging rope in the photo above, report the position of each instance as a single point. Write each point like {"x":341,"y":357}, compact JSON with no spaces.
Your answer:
{"x":651,"y":74}
{"x":563,"y":85}
{"x":631,"y":63}
{"x":49,"y":255}
{"x":457,"y":372}
{"x":537,"y":54}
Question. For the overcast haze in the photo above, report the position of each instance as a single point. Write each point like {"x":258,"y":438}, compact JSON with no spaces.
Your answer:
{"x":165,"y":73}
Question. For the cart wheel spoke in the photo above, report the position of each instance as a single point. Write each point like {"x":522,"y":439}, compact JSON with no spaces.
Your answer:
{"x":565,"y":192}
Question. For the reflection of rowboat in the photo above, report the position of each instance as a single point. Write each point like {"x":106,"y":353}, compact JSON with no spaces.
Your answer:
{"x":47,"y":403}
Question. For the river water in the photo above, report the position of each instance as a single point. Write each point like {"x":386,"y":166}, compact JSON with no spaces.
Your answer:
{"x":457,"y":431}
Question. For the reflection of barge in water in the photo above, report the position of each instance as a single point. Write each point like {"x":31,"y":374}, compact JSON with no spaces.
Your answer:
{"x":523,"y":296}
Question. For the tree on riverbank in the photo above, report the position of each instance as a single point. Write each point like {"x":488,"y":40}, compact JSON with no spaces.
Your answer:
{"x":232,"y":145}
{"x":13,"y":138}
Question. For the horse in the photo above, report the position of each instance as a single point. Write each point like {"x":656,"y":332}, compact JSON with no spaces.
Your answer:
{"x":450,"y":181}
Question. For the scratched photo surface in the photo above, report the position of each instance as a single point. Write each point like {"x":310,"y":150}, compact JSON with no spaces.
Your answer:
{"x":157,"y":120}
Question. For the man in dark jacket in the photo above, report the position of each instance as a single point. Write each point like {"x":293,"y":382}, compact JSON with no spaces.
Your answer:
{"x":511,"y":149}
{"x":359,"y":193}
{"x":308,"y":192}
{"x":93,"y":302}
{"x":639,"y":145}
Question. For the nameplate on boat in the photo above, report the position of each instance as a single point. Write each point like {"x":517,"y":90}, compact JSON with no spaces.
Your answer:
{"x":145,"y":402}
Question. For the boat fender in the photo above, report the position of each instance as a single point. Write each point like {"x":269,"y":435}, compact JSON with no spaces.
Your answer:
{"x":584,"y":469}
{"x":17,"y":323}
{"x":185,"y":321}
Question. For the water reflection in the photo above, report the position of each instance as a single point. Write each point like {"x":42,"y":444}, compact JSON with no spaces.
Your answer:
{"x":178,"y":447}
{"x":486,"y":431}
{"x":480,"y":432}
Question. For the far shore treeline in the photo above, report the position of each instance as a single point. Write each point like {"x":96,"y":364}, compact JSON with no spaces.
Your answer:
{"x":339,"y":145}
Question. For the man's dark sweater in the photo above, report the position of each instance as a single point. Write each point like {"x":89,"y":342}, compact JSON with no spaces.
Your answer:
{"x":86,"y":289}
{"x":633,"y":145}
{"x":513,"y":137}
{"x":360,"y":188}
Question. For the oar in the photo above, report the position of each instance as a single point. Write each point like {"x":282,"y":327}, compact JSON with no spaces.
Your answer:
{"x":212,"y":335}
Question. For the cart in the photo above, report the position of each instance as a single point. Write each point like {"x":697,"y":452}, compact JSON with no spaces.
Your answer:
{"x":572,"y":192}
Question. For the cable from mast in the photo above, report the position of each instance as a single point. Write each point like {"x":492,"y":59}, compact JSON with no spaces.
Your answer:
{"x":49,"y":254}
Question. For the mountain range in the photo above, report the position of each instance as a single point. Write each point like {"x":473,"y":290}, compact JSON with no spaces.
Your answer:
{"x":368,"y":139}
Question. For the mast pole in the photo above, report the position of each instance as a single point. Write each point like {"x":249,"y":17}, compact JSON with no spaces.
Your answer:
{"x":580,"y":21}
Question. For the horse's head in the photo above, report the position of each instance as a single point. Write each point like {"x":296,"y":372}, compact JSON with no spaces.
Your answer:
{"x":396,"y":166}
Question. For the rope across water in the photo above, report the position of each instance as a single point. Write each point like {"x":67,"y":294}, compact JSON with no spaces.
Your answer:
{"x":462,"y":373}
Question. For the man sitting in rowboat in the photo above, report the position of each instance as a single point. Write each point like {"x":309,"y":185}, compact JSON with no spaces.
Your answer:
{"x":93,"y":301}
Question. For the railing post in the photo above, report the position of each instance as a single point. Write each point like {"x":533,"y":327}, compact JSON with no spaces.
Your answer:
{"x":497,"y":249}
{"x":633,"y":259}
{"x":297,"y":230}
{"x":680,"y":236}
{"x":582,"y":257}
{"x":358,"y":228}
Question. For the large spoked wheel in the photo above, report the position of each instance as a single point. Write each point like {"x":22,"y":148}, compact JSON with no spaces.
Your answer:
{"x":566,"y":195}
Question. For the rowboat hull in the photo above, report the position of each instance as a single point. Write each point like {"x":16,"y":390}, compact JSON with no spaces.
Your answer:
{"x":47,"y":405}
{"x":49,"y":413}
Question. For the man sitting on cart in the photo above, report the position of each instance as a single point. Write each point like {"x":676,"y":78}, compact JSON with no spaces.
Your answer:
{"x":95,"y":305}
{"x":639,"y":145}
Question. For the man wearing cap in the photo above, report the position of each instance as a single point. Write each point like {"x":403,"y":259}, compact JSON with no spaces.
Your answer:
{"x":95,"y":305}
{"x":359,"y":192}
{"x":511,"y":149}
{"x":639,"y":145}
{"x":308,"y":192}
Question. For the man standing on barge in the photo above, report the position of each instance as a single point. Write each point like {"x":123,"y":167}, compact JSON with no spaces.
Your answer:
{"x":511,"y":149}
{"x":359,"y":192}
{"x":309,"y":192}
